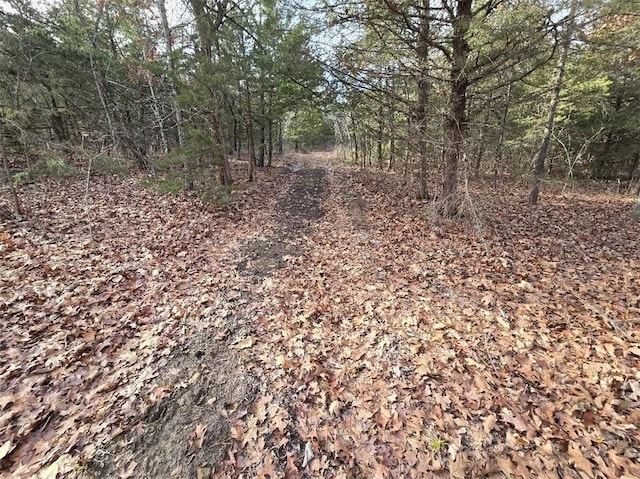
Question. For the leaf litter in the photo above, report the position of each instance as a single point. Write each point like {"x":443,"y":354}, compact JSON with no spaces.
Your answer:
{"x":383,"y":342}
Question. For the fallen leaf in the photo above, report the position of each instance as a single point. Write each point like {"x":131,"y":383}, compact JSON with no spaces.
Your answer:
{"x":199,"y":434}
{"x":579,"y":461}
{"x":6,"y":448}
{"x":308,"y":454}
{"x":334,"y":408}
{"x":268,"y":468}
{"x":245,"y":343}
{"x":58,"y":467}
{"x":126,"y":473}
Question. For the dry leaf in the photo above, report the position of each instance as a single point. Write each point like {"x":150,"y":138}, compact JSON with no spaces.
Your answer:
{"x":199,"y":434}
{"x":458,"y":467}
{"x":58,"y":467}
{"x":579,"y":461}
{"x":335,"y":407}
{"x":245,"y":343}
{"x":128,"y":471}
{"x":308,"y":454}
{"x":6,"y":448}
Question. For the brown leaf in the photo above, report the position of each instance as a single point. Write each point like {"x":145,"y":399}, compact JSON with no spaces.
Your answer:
{"x":335,"y":407}
{"x":199,"y":434}
{"x":127,"y":472}
{"x":291,"y":470}
{"x":6,"y":448}
{"x":579,"y":461}
{"x":268,"y":468}
{"x":245,"y":343}
{"x":58,"y":467}
{"x":458,"y":467}
{"x":516,"y":420}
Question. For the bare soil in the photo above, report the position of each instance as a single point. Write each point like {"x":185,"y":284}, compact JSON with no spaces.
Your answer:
{"x":187,"y":433}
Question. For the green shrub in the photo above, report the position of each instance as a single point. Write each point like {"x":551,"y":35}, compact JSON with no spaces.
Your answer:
{"x":215,"y":194}
{"x":169,"y":183}
{"x":107,"y":165}
{"x":49,"y":168}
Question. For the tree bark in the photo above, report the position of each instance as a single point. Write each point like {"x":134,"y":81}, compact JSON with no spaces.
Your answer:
{"x":207,"y":25}
{"x":379,"y":136}
{"x":93,"y":38}
{"x":263,"y":131}
{"x":635,"y":214}
{"x":14,"y":194}
{"x":422,"y":51}
{"x":455,"y":122}
{"x":392,"y":138}
{"x":280,"y":139}
{"x":541,"y":154}
{"x":270,"y":143}
{"x":248,"y":124}
{"x":168,"y":39}
{"x":503,"y":124}
{"x":156,"y":112}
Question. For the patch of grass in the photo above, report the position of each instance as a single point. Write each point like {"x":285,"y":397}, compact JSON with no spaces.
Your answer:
{"x":205,"y":187}
{"x":106,"y":165}
{"x":171,"y":162}
{"x":54,"y":167}
{"x":437,"y":443}
{"x":216,"y":194}
{"x":169,"y":183}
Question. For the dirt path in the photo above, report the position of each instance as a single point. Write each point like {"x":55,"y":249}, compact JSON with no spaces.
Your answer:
{"x":296,"y":210}
{"x":186,"y":434}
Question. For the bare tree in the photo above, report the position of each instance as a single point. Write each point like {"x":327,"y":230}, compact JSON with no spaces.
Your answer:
{"x":541,"y":154}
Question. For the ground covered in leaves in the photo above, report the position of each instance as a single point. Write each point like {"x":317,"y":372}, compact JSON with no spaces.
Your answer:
{"x":322,"y":325}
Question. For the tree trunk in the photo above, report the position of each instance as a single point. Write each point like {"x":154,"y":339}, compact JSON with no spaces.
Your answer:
{"x":392,"y":138}
{"x":93,"y":37}
{"x":422,"y":51}
{"x":541,"y":154}
{"x":635,"y":214}
{"x":280,"y":140}
{"x":251,"y":150}
{"x":12,"y":187}
{"x":168,"y":39}
{"x":207,"y":26}
{"x":379,"y":137}
{"x":503,"y":124}
{"x":248,"y":124}
{"x":455,"y":122}
{"x":270,"y":142}
{"x":355,"y":148}
{"x":155,"y":106}
{"x":295,"y":141}
{"x":263,"y":131}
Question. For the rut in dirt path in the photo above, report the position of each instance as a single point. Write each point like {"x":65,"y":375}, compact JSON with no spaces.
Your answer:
{"x":187,"y":433}
{"x":296,"y":210}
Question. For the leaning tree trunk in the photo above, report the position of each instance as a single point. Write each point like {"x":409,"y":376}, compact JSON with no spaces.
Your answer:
{"x":456,"y":118}
{"x":541,"y":154}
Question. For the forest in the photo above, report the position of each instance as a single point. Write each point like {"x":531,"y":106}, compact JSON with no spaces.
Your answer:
{"x":320,"y":238}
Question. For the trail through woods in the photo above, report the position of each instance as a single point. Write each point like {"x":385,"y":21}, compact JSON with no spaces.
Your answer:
{"x":322,"y":325}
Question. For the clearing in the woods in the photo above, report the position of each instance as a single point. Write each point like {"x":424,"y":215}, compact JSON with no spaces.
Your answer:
{"x":320,"y":325}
